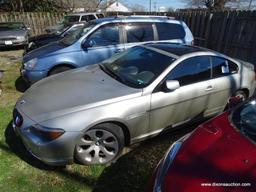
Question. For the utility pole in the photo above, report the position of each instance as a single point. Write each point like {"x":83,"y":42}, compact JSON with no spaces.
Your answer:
{"x":250,"y":4}
{"x":150,"y":6}
{"x":155,"y":6}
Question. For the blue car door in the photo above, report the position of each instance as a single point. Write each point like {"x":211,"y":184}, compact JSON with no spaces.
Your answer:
{"x":104,"y":42}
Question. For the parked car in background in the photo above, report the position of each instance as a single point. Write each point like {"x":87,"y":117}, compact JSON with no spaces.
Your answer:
{"x":13,"y":34}
{"x":99,"y":40}
{"x":82,"y":17}
{"x":74,"y":18}
{"x":41,"y":40}
{"x":91,"y":113}
{"x":218,"y":156}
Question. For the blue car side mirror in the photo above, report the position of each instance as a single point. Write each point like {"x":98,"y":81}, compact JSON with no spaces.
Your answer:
{"x":89,"y":43}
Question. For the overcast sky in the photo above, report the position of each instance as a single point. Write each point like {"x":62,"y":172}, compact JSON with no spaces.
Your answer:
{"x":156,"y":3}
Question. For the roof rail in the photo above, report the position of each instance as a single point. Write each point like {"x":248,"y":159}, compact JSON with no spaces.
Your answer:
{"x":153,"y":16}
{"x":146,"y":16}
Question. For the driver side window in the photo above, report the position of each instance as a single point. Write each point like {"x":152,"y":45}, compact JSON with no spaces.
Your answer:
{"x":191,"y":70}
{"x":105,"y":35}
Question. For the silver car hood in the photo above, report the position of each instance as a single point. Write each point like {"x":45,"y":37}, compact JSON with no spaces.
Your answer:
{"x":72,"y":91}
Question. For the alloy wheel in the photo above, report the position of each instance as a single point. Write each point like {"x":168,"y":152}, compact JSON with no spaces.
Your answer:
{"x":97,"y":146}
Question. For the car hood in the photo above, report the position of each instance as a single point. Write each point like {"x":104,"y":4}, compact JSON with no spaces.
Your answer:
{"x":12,"y":33}
{"x":215,"y":152}
{"x":43,"y":37}
{"x":43,"y":51}
{"x":72,"y":91}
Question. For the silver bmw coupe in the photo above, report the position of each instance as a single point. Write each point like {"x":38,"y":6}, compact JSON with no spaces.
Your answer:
{"x":90,"y":114}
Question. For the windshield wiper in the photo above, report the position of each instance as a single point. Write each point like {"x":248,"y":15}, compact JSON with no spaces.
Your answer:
{"x":111,"y":73}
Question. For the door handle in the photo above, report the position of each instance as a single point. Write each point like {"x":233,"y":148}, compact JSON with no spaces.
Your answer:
{"x":209,"y":88}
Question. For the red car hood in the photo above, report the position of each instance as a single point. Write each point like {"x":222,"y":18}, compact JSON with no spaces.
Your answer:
{"x":215,"y":154}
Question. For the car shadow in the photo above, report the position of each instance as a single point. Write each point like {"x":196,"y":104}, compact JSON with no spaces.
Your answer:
{"x":132,"y":171}
{"x":16,"y":146}
{"x":12,"y":48}
{"x":21,"y":85}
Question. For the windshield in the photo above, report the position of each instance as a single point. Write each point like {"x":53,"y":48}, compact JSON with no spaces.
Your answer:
{"x":11,"y":26}
{"x":244,"y":118}
{"x":62,"y":28}
{"x":78,"y":32}
{"x":137,"y":67}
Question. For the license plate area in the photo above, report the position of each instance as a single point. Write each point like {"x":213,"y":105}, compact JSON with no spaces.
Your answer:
{"x":8,"y":42}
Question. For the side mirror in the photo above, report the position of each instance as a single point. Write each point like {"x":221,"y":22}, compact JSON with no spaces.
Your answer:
{"x":88,"y":43}
{"x":172,"y":85}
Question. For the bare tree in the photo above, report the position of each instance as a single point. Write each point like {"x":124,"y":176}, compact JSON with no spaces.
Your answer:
{"x":48,"y":5}
{"x":210,"y":4}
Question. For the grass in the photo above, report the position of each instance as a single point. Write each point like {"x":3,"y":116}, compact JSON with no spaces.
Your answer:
{"x":19,"y":171}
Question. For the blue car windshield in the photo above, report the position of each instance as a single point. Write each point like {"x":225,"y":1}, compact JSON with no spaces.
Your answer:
{"x":244,"y":118}
{"x":75,"y":35}
{"x":137,"y":67}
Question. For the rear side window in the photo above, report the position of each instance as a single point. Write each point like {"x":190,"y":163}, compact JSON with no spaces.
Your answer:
{"x":192,"y":70}
{"x":100,"y":15}
{"x":71,"y":18}
{"x":168,"y":31}
{"x":106,"y":35}
{"x":222,"y":67}
{"x":91,"y":17}
{"x":139,"y":32}
{"x":85,"y":18}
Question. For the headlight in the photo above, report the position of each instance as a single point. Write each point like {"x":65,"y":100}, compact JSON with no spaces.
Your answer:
{"x":21,"y":38}
{"x":45,"y":134}
{"x":31,"y":64}
{"x":165,"y":164}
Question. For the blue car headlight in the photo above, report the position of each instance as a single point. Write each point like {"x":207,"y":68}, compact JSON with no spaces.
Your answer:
{"x":31,"y":64}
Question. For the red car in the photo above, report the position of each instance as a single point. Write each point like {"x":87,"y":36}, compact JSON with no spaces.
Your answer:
{"x":219,"y":156}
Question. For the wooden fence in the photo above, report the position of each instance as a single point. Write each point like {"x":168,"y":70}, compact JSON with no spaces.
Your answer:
{"x":37,"y":21}
{"x":232,"y":33}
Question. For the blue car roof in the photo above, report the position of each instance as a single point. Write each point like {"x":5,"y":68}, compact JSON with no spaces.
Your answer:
{"x":134,"y":18}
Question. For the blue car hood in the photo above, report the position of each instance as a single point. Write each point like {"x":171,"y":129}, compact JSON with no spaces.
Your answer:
{"x":43,"y":51}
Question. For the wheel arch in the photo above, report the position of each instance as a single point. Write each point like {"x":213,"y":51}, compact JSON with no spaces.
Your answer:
{"x":124,"y":127}
{"x":72,"y":66}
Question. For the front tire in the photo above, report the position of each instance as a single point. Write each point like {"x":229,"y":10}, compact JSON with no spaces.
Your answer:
{"x":100,"y":145}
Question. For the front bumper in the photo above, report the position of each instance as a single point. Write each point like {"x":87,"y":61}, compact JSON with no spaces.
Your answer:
{"x":32,"y":76}
{"x":55,"y":152}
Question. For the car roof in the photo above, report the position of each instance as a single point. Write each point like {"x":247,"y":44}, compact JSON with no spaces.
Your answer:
{"x":145,"y":18}
{"x":176,"y":48}
{"x":79,"y":14}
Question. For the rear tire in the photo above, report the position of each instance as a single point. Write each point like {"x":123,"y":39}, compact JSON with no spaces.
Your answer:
{"x":100,"y":145}
{"x":59,"y":69}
